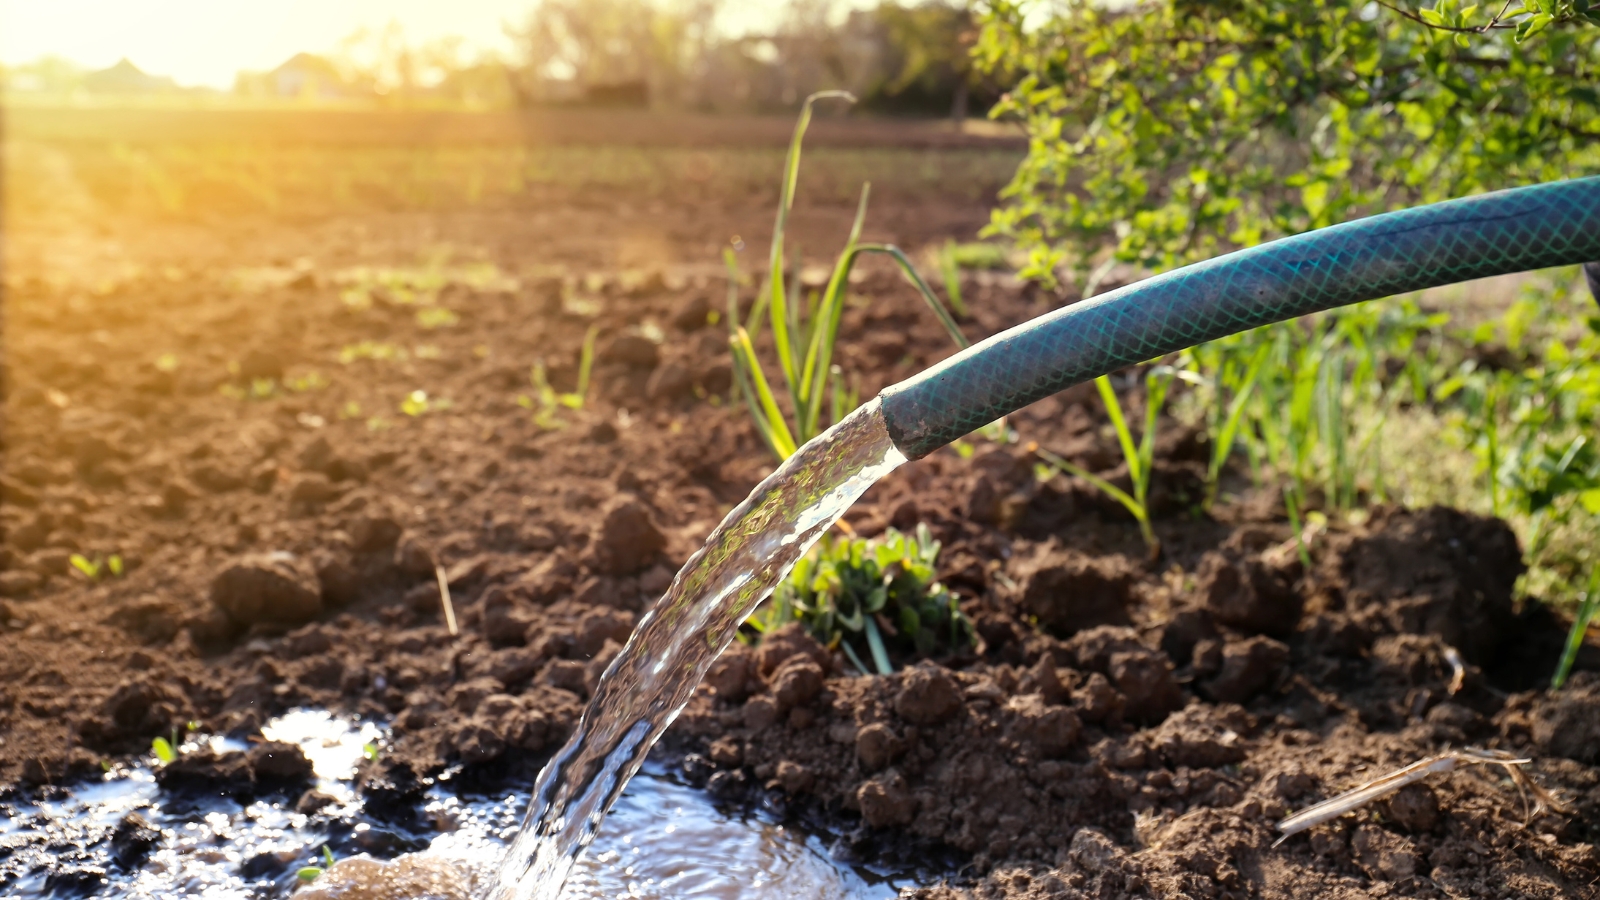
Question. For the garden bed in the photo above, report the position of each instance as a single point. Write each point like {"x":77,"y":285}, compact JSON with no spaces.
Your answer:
{"x":285,"y":459}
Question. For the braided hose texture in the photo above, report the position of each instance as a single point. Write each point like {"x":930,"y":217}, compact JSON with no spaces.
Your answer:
{"x":1516,"y":230}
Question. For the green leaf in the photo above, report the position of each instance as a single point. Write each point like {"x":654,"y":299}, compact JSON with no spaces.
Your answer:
{"x":1527,"y":28}
{"x":1590,"y":500}
{"x":82,"y":564}
{"x":308,"y":874}
{"x":880,"y":656}
{"x":162,"y":748}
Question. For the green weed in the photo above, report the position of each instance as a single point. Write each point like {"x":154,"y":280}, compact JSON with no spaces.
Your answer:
{"x":431,"y":317}
{"x":805,"y":330}
{"x":163,"y":750}
{"x":950,"y":269}
{"x":94,"y":569}
{"x":1588,"y":604}
{"x":546,"y":402}
{"x":1140,"y":456}
{"x":867,"y":596}
{"x":308,"y":874}
{"x":978,"y":255}
{"x":418,"y":403}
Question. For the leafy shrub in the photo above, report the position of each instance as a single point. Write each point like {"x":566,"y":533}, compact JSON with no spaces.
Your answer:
{"x":867,"y":597}
{"x":1167,"y":130}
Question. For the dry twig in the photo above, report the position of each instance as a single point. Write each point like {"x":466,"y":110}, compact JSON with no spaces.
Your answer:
{"x":444,"y":599}
{"x":1385,"y":785}
{"x":1458,"y":670}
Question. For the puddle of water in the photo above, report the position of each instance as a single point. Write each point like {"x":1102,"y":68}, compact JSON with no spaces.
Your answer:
{"x":662,"y":840}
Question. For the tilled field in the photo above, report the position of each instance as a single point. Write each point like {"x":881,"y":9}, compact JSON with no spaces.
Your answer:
{"x":283,"y":462}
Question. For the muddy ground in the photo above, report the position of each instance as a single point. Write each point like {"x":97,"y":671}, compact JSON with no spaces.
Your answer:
{"x":1127,"y":727}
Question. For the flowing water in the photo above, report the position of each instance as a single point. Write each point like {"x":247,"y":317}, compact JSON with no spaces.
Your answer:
{"x":675,"y":644}
{"x":666,"y":840}
{"x":671,"y":842}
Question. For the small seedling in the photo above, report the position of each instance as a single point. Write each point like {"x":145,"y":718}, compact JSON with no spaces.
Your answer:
{"x":804,"y":330}
{"x":1140,"y":457}
{"x":862,"y":596}
{"x":431,"y":317}
{"x":163,"y":750}
{"x":950,"y":269}
{"x":546,"y":402}
{"x":1588,"y":604}
{"x":308,"y":874}
{"x":310,"y":381}
{"x":415,"y":403}
{"x":371,"y":751}
{"x":418,"y":403}
{"x":93,"y":569}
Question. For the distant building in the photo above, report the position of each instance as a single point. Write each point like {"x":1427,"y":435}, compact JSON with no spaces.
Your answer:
{"x":127,"y":78}
{"x":307,"y":75}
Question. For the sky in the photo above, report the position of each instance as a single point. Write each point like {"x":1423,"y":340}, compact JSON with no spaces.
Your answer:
{"x":205,"y":42}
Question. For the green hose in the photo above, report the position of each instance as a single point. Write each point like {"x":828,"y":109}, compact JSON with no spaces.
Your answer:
{"x":1492,"y":234}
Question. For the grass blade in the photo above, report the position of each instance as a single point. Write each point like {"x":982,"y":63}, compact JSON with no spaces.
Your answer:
{"x":950,"y":269}
{"x":586,"y":361}
{"x":1111,"y":490}
{"x":1108,"y":395}
{"x":1229,"y":431}
{"x":880,"y":656}
{"x":1580,"y":627}
{"x":782,"y":439}
{"x":928,"y":296}
{"x":777,"y":302}
{"x":819,"y":356}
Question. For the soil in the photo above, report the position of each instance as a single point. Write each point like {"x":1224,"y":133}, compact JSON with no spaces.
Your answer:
{"x":1127,"y":726}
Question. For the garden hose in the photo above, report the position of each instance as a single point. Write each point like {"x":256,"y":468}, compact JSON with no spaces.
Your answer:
{"x":1516,"y":230}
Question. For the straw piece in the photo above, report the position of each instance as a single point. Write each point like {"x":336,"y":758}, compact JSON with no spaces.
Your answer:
{"x":444,"y":599}
{"x":1385,"y":785}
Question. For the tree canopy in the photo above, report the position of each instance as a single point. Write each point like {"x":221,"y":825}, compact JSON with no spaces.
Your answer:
{"x":1170,"y":130}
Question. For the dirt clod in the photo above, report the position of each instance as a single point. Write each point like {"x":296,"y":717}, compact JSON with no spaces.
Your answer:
{"x":1249,"y":594}
{"x":886,"y":801}
{"x":1248,"y":667}
{"x":1070,"y":591}
{"x":877,"y":745}
{"x":928,"y":695}
{"x":627,"y":539}
{"x":276,"y":588}
{"x":1568,"y":723}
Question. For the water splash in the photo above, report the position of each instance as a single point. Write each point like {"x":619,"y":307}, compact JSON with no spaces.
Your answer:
{"x":654,"y":676}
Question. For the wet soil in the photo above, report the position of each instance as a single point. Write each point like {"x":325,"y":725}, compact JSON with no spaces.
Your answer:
{"x":1127,"y":727}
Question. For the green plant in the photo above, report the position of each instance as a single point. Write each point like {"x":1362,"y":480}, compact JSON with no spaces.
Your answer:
{"x":1165,"y":131}
{"x":1588,"y":604}
{"x":308,"y":874}
{"x":431,"y":317}
{"x":950,"y":270}
{"x":1223,"y":422}
{"x":978,"y":255}
{"x":164,"y":750}
{"x":93,"y":569}
{"x":866,"y":596}
{"x":546,"y":401}
{"x":1140,"y":456}
{"x":804,"y":331}
{"x":418,"y":403}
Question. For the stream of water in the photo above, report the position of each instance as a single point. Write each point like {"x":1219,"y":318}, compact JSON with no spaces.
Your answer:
{"x":664,"y":840}
{"x":654,"y":676}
